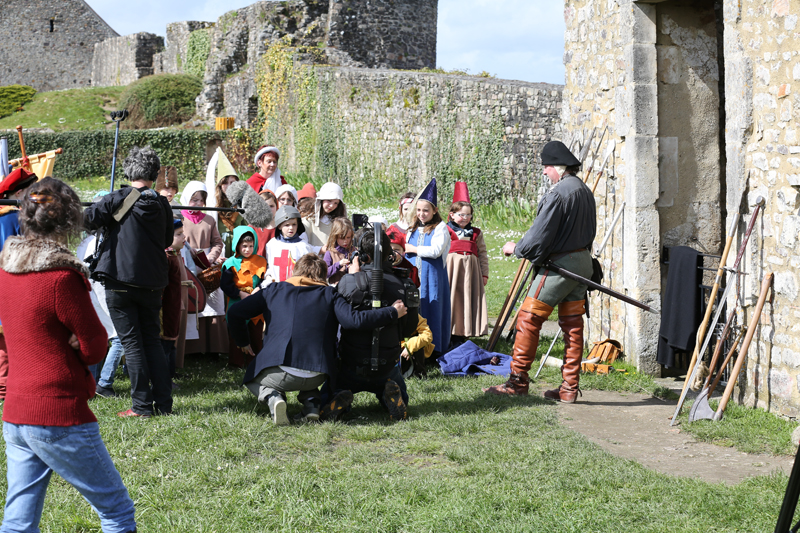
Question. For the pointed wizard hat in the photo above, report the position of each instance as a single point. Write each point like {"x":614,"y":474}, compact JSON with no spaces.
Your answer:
{"x":224,"y":167}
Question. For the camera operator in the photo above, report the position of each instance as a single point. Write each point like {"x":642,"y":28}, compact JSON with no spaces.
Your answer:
{"x":137,"y":226}
{"x":357,"y":373}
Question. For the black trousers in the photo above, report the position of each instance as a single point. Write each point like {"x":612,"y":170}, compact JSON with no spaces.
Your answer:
{"x":135,"y":314}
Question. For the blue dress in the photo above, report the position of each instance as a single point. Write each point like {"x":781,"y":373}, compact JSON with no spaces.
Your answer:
{"x":434,"y":286}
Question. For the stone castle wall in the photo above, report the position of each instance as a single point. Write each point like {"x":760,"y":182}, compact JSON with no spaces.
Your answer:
{"x":123,"y":60}
{"x":170,"y":61}
{"x":762,"y":75}
{"x":385,"y":33}
{"x":700,"y":101}
{"x":411,"y":126}
{"x":49,"y":44}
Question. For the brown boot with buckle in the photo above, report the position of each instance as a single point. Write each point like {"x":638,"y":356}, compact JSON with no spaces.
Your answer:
{"x":570,"y":320}
{"x":532,"y":315}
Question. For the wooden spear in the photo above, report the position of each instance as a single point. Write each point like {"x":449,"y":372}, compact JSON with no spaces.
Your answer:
{"x":610,"y":150}
{"x":594,"y":155}
{"x":751,"y":330}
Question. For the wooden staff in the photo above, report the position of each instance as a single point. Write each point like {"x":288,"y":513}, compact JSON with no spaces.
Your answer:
{"x":503,"y":310}
{"x":25,"y":163}
{"x":724,"y":363}
{"x":610,"y":150}
{"x":751,"y":330}
{"x":594,"y":155}
{"x":512,"y":303}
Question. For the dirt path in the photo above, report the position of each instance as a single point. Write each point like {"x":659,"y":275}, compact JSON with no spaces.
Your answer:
{"x":636,"y":426}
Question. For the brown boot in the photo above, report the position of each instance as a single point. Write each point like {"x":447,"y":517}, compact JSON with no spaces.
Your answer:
{"x":517,"y":385}
{"x":571,"y":324}
{"x":532,"y":315}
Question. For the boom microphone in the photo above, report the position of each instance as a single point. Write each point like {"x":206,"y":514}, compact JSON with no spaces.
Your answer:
{"x":256,"y":211}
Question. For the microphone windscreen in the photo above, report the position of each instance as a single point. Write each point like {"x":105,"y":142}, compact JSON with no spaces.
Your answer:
{"x":256,"y":211}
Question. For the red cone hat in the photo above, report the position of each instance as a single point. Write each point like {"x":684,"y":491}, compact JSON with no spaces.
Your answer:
{"x":460,"y":192}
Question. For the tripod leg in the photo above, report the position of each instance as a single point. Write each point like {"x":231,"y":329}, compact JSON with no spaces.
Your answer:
{"x":790,"y":499}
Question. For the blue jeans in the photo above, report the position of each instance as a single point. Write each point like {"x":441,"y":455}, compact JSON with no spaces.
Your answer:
{"x":115,"y":353}
{"x":77,"y":454}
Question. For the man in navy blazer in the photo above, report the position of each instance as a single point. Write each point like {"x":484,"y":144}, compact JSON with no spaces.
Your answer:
{"x":302,"y":316}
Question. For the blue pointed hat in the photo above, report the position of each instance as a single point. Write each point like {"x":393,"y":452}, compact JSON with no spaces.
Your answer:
{"x":429,"y":193}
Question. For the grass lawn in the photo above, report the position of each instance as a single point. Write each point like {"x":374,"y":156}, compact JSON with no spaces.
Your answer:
{"x":72,"y":109}
{"x":463,"y":462}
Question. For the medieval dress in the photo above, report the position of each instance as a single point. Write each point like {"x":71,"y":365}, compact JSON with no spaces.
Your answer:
{"x":430,"y":260}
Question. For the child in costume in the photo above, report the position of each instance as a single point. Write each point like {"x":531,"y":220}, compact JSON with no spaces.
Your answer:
{"x":339,"y":247}
{"x":171,"y":299}
{"x":202,"y":234}
{"x":287,"y":247}
{"x":167,"y":186}
{"x":398,"y":240}
{"x":467,"y":270}
{"x":328,"y":206}
{"x":219,"y":175}
{"x":427,"y":246}
{"x":401,"y":226}
{"x":266,"y":234}
{"x":268,"y":175}
{"x":286,"y":195}
{"x":416,"y":350}
{"x":241,"y":277}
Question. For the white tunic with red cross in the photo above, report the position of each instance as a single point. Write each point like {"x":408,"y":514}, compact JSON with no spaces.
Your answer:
{"x":282,"y":257}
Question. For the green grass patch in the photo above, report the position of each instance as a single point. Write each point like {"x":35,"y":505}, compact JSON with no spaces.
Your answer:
{"x":464,"y":461}
{"x":744,"y":428}
{"x":73,"y":109}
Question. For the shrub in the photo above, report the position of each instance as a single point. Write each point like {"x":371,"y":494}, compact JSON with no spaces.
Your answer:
{"x":162,"y":100}
{"x":12,"y":97}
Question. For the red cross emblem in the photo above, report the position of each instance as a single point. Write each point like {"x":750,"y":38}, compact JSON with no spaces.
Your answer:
{"x":286,"y":264}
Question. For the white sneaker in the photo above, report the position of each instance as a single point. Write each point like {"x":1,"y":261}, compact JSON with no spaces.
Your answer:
{"x":278,"y":409}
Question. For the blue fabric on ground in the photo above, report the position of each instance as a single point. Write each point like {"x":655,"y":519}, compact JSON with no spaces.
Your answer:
{"x":470,"y":359}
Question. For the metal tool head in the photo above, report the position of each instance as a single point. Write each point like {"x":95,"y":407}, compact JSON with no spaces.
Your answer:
{"x":700,"y":409}
{"x":760,"y":201}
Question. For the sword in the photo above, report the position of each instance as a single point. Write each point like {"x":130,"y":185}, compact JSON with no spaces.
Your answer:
{"x":602,"y":288}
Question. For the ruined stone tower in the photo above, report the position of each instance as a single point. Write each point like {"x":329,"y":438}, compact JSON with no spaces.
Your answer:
{"x":49,"y":44}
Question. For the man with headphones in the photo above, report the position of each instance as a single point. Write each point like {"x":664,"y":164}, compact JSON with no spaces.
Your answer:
{"x":358,"y":371}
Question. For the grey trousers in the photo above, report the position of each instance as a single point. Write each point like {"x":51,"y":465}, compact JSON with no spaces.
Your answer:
{"x":274,"y":381}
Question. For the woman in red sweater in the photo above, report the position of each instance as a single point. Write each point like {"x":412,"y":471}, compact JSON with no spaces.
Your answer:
{"x":53,"y":335}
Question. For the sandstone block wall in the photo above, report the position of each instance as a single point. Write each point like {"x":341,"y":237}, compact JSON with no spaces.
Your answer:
{"x":385,"y":33}
{"x":170,"y":61}
{"x":123,"y":60}
{"x":49,"y":44}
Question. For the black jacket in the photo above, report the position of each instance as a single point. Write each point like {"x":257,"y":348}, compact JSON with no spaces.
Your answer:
{"x":355,"y":346}
{"x":301,"y":325}
{"x":133,"y":251}
{"x":565,"y":221}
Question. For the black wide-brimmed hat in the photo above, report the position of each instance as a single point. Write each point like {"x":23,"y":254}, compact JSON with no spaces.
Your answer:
{"x":557,"y":154}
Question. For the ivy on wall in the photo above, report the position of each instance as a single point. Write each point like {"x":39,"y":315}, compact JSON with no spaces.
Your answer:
{"x":302,"y":109}
{"x":197,"y":50}
{"x":89,"y":154}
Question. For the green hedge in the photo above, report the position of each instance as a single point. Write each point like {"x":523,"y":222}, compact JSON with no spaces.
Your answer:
{"x":13,"y":97}
{"x":88,"y":154}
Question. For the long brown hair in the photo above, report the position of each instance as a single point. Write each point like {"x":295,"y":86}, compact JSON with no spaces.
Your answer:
{"x":340,"y":228}
{"x":430,"y":226}
{"x":222,"y":200}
